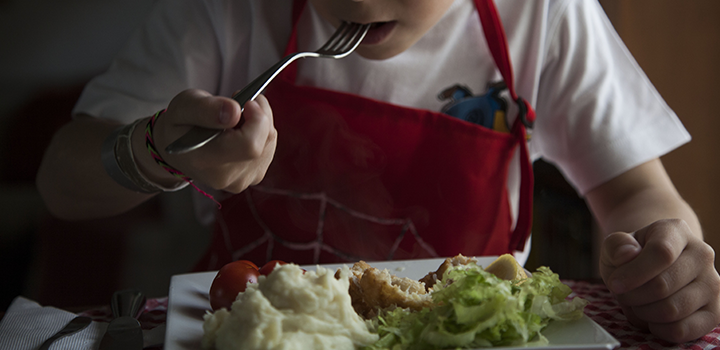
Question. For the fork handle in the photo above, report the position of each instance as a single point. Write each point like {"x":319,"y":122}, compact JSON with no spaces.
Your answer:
{"x":199,"y":136}
{"x":127,"y":302}
{"x":252,"y":90}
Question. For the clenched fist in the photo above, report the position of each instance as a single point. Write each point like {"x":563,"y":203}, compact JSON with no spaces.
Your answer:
{"x":664,"y":279}
{"x":237,"y":158}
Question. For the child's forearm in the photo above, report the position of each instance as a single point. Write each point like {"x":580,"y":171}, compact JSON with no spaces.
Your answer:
{"x":638,"y":198}
{"x":663,"y":276}
{"x":72,"y":180}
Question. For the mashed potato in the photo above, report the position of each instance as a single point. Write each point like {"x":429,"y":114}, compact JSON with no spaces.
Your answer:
{"x":290,"y":309}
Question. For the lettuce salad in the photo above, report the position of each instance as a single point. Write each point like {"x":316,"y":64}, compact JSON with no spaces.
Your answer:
{"x":473,"y":308}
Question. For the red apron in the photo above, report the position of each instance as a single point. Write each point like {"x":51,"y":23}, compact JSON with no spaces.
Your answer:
{"x":355,"y":178}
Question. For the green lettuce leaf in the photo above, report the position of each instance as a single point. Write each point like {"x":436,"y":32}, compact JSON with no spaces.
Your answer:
{"x":473,"y":308}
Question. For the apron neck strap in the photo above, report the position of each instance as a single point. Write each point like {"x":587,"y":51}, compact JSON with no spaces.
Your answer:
{"x":497,"y":42}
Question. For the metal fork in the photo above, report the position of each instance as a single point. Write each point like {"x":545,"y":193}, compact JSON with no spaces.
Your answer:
{"x":342,"y":43}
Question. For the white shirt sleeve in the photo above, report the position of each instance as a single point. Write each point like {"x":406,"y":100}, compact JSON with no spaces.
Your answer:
{"x":212,"y":45}
{"x":598,"y":115}
{"x":176,"y":48}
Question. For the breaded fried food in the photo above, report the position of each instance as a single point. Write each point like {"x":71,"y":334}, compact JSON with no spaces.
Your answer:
{"x":356,"y":291}
{"x":381,"y":290}
{"x":432,"y":277}
{"x":372,"y":289}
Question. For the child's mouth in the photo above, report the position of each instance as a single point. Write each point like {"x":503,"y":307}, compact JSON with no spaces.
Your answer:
{"x":378,"y":32}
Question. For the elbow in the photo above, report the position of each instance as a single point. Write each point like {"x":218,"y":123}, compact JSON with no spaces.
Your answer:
{"x":59,"y":199}
{"x":61,"y":205}
{"x":72,"y":182}
{"x":57,"y":204}
{"x":69,"y":202}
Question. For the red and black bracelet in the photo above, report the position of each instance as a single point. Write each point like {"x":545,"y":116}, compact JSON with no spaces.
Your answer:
{"x":150,"y":143}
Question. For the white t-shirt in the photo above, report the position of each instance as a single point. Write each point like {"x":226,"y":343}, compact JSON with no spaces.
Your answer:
{"x":597,"y":113}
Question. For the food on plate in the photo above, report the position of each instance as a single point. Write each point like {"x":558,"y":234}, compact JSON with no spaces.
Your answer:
{"x":290,"y":309}
{"x":270,"y":266}
{"x":460,"y":305}
{"x":248,"y":262}
{"x":473,"y":308}
{"x":372,"y":290}
{"x":231,"y":280}
{"x":507,"y":268}
{"x":432,"y":277}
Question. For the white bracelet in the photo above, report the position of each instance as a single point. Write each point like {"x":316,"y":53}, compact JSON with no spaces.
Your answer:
{"x":119,"y":163}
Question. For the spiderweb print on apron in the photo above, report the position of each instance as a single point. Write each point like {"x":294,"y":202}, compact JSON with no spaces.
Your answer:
{"x":404,"y":225}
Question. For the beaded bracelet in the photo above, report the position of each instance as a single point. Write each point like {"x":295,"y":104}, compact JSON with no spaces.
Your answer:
{"x":150,"y":143}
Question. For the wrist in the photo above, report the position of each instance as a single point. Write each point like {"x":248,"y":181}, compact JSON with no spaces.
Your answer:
{"x":157,"y":157}
{"x":147,"y":165}
{"x":119,"y":161}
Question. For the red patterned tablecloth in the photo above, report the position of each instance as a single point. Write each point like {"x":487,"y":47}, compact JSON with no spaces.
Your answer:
{"x":603,"y":309}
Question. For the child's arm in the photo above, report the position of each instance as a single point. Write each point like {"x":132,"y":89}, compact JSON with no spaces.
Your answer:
{"x":75,"y":185}
{"x":654,"y":258}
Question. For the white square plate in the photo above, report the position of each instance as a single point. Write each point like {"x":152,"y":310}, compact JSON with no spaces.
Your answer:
{"x":188,"y":302}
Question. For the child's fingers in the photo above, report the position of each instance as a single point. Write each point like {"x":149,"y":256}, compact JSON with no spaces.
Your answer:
{"x":258,"y":128}
{"x":692,"y":272}
{"x":197,"y":107}
{"x":247,"y":150}
{"x":189,"y":108}
{"x":618,"y":249}
{"x":677,"y":306}
{"x":259,"y":110}
{"x":668,"y":284}
{"x":676,"y":231}
{"x":662,"y":243}
{"x":689,"y":328}
{"x":632,"y":318}
{"x":671,"y":287}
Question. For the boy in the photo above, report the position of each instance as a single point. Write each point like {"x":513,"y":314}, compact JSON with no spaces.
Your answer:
{"x":351,"y":159}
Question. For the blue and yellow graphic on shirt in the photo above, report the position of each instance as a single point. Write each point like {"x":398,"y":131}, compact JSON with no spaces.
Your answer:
{"x":488,"y":110}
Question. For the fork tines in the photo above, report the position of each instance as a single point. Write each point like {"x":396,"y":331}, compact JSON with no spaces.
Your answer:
{"x":345,"y":38}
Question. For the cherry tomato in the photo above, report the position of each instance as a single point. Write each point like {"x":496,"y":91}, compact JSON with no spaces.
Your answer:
{"x":231,"y":280}
{"x":270,"y":266}
{"x":249,"y":263}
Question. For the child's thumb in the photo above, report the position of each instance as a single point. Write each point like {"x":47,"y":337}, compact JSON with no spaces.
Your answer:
{"x":619,"y":248}
{"x":197,"y":107}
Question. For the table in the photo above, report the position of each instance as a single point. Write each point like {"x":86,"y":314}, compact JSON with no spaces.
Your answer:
{"x":602,"y":309}
{"x":153,"y":315}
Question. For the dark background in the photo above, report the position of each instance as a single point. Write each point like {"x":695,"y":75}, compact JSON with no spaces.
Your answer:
{"x":50,"y":49}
